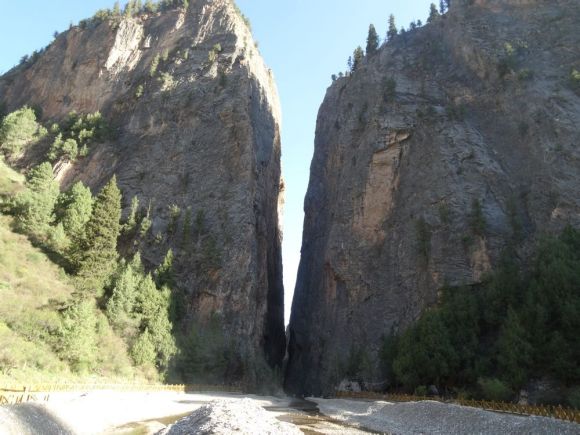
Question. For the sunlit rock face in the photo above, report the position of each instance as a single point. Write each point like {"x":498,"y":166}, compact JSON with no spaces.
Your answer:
{"x":201,"y":131}
{"x":476,"y":110}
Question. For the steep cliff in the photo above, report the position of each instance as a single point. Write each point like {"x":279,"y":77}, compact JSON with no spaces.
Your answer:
{"x":452,"y":140}
{"x":196,"y":139}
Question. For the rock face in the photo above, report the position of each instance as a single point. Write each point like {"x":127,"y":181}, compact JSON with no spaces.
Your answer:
{"x":451,"y":141}
{"x":201,"y":132}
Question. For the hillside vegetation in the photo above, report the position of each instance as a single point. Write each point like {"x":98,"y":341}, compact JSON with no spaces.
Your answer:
{"x":77,"y":299}
{"x":35,"y":293}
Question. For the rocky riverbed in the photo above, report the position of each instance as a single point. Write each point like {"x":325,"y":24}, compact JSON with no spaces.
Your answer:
{"x":109,"y":412}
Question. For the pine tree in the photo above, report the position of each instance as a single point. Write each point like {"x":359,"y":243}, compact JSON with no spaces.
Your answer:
{"x":349,"y":64}
{"x":122,"y":303}
{"x":433,"y":13}
{"x":150,"y":7}
{"x":442,"y":7}
{"x":129,"y":8}
{"x":372,"y":41}
{"x":164,"y":273}
{"x":57,"y":239}
{"x":73,"y":210}
{"x":117,"y":9}
{"x":34,"y":208}
{"x":97,"y":253}
{"x":392,"y":32}
{"x":143,"y":350}
{"x":358,"y":57}
{"x":425,"y":355}
{"x":153,"y":305}
{"x":513,"y":351}
{"x":77,"y":336}
{"x":131,"y":223}
{"x":18,"y":129}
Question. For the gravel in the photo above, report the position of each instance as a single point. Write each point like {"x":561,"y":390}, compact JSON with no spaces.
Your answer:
{"x":30,"y":419}
{"x":109,"y":412}
{"x":226,"y":417}
{"x":431,"y":417}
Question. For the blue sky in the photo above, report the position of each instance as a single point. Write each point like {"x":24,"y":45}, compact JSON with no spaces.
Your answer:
{"x":303,"y":41}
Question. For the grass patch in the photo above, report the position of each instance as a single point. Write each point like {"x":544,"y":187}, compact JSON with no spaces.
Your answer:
{"x":11,"y":182}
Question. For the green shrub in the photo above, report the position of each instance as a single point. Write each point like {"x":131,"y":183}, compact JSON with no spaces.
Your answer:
{"x":420,"y":391}
{"x":76,"y":134}
{"x":174,"y":214}
{"x":525,"y":74}
{"x":139,"y":92}
{"x":358,"y":364}
{"x":573,"y":398}
{"x":575,"y":79}
{"x":167,"y":81}
{"x":494,"y":389}
{"x":212,"y":56}
{"x":243,"y":17}
{"x":164,"y":274}
{"x":154,"y":66}
{"x":425,"y":354}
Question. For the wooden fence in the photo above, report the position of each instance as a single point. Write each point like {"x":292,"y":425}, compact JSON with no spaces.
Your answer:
{"x":14,"y":394}
{"x":558,"y":412}
{"x":7,"y":398}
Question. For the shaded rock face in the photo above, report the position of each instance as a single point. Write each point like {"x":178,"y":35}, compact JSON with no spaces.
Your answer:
{"x":440,"y":123}
{"x":204,"y":138}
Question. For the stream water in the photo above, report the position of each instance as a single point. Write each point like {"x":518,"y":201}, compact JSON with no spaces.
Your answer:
{"x":306,"y":415}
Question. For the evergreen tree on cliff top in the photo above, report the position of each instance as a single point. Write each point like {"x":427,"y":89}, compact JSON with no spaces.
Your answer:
{"x":96,"y":253}
{"x":433,"y":13}
{"x":392,"y":32}
{"x":358,"y":57}
{"x":372,"y":41}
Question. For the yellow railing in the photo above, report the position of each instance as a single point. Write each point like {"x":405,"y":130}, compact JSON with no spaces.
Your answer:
{"x":15,"y":398}
{"x":558,"y":412}
{"x":11,"y":394}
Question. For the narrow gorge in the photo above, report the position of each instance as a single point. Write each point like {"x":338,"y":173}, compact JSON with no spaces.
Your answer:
{"x":440,"y":249}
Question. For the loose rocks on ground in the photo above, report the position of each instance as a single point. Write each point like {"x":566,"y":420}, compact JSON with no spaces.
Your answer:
{"x":225,"y":417}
